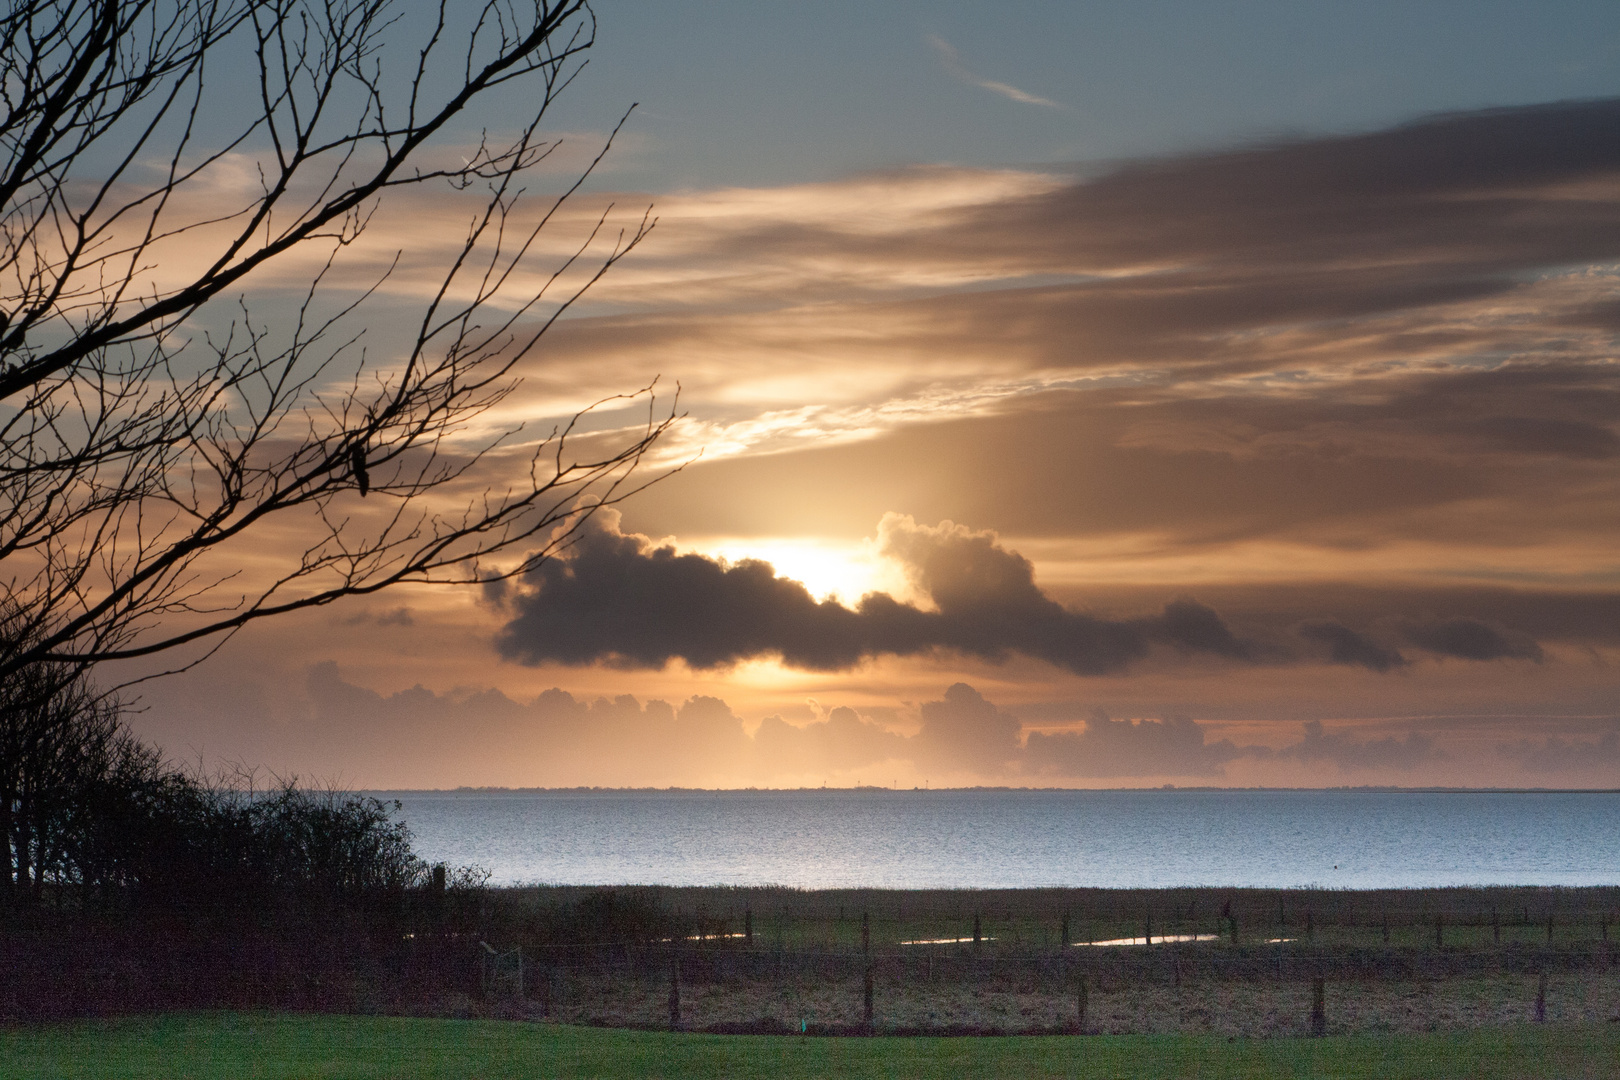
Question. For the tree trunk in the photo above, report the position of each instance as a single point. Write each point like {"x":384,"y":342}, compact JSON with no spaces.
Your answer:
{"x":25,"y":845}
{"x":8,"y":801}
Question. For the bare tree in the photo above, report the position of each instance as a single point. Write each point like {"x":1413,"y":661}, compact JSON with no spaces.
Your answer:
{"x":59,"y":740}
{"x":152,"y":424}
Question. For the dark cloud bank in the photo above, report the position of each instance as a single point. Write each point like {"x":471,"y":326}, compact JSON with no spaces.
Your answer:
{"x":624,"y":600}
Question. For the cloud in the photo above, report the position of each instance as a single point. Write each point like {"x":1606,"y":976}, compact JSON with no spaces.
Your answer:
{"x":967,"y":733}
{"x":1363,"y":384}
{"x":419,"y":737}
{"x":953,"y":64}
{"x":1174,"y":746}
{"x":625,"y":600}
{"x":1470,"y":639}
{"x":324,"y":726}
{"x":400,"y":616}
{"x":416,"y":737}
{"x":842,"y":742}
{"x":1456,"y":636}
{"x":1384,"y":356}
{"x":1568,"y":437}
{"x":630,"y":602}
{"x":1439,"y":203}
{"x":1343,"y":645}
{"x":1446,"y":254}
{"x":1349,"y":754}
{"x":1555,"y":754}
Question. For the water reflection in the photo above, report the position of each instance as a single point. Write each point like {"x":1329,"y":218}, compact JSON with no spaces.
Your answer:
{"x":1157,"y":939}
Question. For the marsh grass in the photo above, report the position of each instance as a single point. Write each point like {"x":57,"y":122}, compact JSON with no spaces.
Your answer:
{"x":1033,"y":919}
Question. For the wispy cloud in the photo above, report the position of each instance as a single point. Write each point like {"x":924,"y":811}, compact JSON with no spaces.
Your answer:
{"x":953,"y":64}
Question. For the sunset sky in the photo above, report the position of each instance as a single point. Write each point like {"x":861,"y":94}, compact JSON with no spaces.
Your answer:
{"x":1120,"y":393}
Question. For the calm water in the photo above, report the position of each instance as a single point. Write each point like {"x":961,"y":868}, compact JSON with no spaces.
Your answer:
{"x":917,"y":839}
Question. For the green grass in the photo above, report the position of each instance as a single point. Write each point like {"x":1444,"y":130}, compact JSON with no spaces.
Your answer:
{"x":272,"y":1047}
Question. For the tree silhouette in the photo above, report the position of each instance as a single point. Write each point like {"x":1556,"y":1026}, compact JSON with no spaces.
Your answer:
{"x":154,"y":428}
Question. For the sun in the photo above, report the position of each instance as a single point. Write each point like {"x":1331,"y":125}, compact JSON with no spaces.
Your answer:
{"x":830,"y":570}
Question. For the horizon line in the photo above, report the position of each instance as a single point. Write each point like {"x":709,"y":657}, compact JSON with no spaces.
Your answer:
{"x":871,"y":788}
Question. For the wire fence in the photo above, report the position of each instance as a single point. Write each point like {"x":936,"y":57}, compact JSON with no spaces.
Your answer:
{"x":724,"y":989}
{"x":1168,"y":959}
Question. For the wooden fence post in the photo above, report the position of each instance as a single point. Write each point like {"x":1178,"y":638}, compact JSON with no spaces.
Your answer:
{"x":867,"y":999}
{"x":674,"y":989}
{"x":1148,"y":930}
{"x":748,"y":927}
{"x":976,"y":934}
{"x":866,"y":950}
{"x":1541,"y":999}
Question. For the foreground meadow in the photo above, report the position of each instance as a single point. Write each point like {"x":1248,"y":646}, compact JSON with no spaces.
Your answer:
{"x":236,"y":1046}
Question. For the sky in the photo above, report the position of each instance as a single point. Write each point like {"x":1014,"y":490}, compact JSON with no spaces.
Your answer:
{"x":1073,"y":394}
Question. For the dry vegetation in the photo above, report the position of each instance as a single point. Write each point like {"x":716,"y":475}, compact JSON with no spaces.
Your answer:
{"x":1009,"y":1004}
{"x":1385,"y":969}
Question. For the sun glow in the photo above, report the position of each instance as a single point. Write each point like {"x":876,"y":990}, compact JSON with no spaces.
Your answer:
{"x":828,"y":569}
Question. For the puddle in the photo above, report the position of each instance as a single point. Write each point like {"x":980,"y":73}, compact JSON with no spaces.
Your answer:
{"x":1167,"y":939}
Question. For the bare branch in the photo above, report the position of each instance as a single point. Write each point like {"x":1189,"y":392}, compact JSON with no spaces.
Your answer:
{"x":152,"y":430}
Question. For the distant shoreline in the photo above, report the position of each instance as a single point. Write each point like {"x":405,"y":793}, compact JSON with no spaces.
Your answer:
{"x":873,"y":790}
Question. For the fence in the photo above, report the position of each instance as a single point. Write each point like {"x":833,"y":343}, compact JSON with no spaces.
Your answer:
{"x":1073,"y":970}
{"x":502,"y":974}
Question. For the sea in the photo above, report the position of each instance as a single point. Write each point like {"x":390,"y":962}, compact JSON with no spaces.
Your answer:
{"x":998,"y":838}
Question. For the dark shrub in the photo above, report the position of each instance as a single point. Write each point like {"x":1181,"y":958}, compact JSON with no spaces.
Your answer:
{"x":617,"y":917}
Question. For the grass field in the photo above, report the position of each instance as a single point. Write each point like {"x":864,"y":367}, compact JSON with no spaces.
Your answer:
{"x":302,"y":1047}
